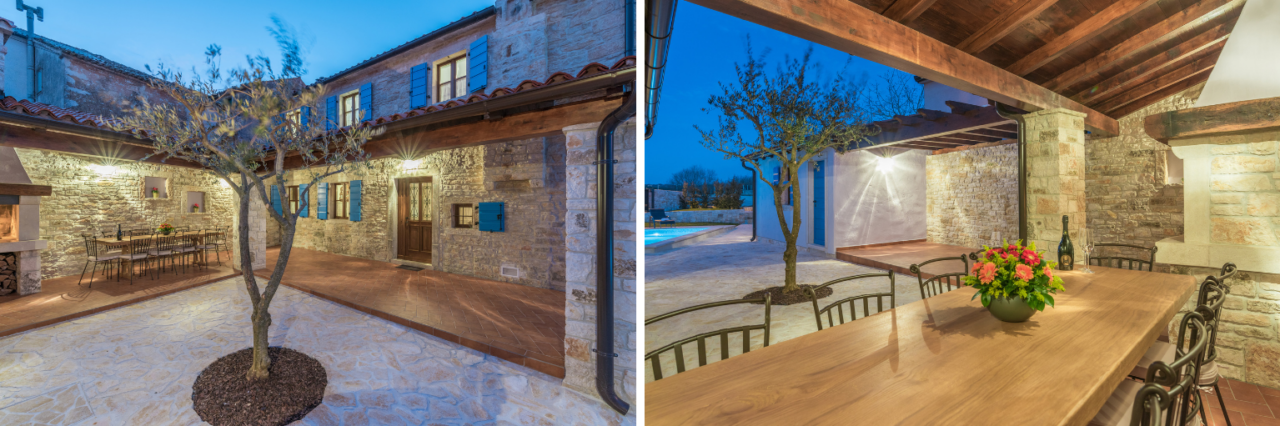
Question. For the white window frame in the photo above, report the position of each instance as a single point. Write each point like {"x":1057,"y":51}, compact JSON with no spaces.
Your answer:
{"x":437,"y":82}
{"x":354,"y":112}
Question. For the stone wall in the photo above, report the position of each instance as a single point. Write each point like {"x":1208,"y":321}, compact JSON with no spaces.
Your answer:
{"x":580,"y":237}
{"x":527,"y":175}
{"x":1055,"y":157}
{"x":88,"y":198}
{"x":664,"y":199}
{"x":972,"y":196}
{"x":1126,"y":193}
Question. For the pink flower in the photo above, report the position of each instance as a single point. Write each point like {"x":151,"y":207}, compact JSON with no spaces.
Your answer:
{"x":988,"y":273}
{"x":1032,"y":258}
{"x":974,"y":269}
{"x":1023,"y":272}
{"x":1048,"y":272}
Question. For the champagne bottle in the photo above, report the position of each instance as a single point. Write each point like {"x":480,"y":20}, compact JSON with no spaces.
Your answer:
{"x":119,"y":234}
{"x":1066,"y":252}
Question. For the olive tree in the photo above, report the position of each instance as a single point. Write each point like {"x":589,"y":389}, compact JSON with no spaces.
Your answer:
{"x":789,"y":116}
{"x":250,"y":126}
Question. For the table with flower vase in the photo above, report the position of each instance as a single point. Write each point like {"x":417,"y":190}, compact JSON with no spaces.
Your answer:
{"x":126,"y":243}
{"x":941,"y":360}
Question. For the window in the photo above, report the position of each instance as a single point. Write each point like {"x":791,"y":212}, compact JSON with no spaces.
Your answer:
{"x":452,"y":77}
{"x":294,"y":117}
{"x":464,"y":215}
{"x":340,"y":202}
{"x":349,"y":108}
{"x":291,"y":193}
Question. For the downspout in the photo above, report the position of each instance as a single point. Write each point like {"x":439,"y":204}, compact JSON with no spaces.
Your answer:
{"x":753,"y":199}
{"x":1010,"y":113}
{"x":604,"y":250}
{"x":660,"y":16}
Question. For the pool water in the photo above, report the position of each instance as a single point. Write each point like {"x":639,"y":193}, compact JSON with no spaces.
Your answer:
{"x":658,"y":235}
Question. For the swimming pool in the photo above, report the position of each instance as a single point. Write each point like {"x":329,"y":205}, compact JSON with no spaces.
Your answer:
{"x":658,"y":235}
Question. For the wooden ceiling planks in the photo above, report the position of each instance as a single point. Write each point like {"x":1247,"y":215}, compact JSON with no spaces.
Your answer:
{"x":1156,"y":82}
{"x":1200,"y":46}
{"x":1139,"y":104}
{"x":1007,"y":21}
{"x":905,"y":11}
{"x":1109,"y":17}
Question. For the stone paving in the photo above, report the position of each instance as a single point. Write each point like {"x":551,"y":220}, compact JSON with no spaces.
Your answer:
{"x":135,"y":365}
{"x":728,"y":267}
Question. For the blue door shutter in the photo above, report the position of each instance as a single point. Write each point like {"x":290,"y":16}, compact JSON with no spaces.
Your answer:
{"x":366,"y":101}
{"x":354,"y":196}
{"x":275,"y":199}
{"x":303,"y":198}
{"x":478,"y":64}
{"x":331,"y":113}
{"x":322,"y":202}
{"x":419,"y":86}
{"x":777,"y":174}
{"x":306,"y":111}
{"x":491,"y":217}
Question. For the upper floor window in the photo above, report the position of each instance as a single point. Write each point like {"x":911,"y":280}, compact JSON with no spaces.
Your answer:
{"x":295,"y":117}
{"x":349,"y":108}
{"x":451,"y":76}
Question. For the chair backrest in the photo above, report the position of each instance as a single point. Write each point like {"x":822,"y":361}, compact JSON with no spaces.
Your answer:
{"x":140,"y":232}
{"x":182,"y":229}
{"x":1213,"y":294}
{"x":1120,"y":261}
{"x":1228,"y":271}
{"x":90,"y":245}
{"x":658,"y":214}
{"x":678,"y":346}
{"x":1171,"y":388}
{"x":852,"y":302}
{"x":162,"y":242}
{"x":940,"y":283}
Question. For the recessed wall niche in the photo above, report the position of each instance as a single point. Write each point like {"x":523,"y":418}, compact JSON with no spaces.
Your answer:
{"x":159,"y":184}
{"x":194,"y":198}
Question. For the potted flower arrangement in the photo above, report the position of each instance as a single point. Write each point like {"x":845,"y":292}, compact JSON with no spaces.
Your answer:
{"x":165,"y":229}
{"x":155,"y":192}
{"x":1014,"y":281}
{"x":195,"y":207}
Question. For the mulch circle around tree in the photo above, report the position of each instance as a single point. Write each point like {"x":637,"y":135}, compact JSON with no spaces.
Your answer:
{"x":781,"y":298}
{"x":223,"y":396}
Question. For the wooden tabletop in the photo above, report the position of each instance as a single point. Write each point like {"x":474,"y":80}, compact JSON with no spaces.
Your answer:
{"x":942,"y":360}
{"x":111,"y":241}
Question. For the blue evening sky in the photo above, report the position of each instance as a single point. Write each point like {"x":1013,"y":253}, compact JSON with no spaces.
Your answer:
{"x":336,"y":34}
{"x":704,"y":46}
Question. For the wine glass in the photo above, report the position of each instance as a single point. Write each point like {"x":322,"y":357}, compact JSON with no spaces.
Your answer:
{"x":1088,"y":252}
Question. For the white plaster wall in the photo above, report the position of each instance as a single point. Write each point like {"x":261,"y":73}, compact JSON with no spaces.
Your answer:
{"x":871,"y":206}
{"x":1247,"y":68}
{"x":15,"y":65}
{"x":768,"y":215}
{"x":937,"y":94}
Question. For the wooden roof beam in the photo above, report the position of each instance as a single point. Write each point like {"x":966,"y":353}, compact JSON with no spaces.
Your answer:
{"x":1160,"y":95}
{"x":1155,"y":83}
{"x":997,"y":28}
{"x":853,"y":29}
{"x":1197,"y":18}
{"x":1198,"y":47}
{"x":1256,"y":115}
{"x":1090,"y":28}
{"x":994,"y":132}
{"x":905,"y":11}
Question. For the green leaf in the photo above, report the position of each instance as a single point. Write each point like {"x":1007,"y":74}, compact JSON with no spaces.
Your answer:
{"x":1049,"y":299}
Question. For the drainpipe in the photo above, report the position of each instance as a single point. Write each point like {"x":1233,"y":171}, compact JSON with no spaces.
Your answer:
{"x":753,"y":199}
{"x":660,"y":18}
{"x":604,"y":250}
{"x":1012,"y":113}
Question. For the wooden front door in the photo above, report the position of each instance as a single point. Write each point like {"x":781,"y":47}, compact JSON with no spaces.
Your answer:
{"x":416,"y":202}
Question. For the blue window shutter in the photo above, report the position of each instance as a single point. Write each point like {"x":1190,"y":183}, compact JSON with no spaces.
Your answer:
{"x":491,"y":217}
{"x":478,"y":64}
{"x":366,"y":101}
{"x":303,"y":198}
{"x":419,"y":86}
{"x":354,"y":196}
{"x":331,"y":113}
{"x":306,"y":111}
{"x":275,"y":199}
{"x":322,"y":202}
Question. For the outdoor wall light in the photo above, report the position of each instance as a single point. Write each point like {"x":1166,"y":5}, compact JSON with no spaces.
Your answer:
{"x":411,"y":164}
{"x":884,"y":164}
{"x":104,"y":170}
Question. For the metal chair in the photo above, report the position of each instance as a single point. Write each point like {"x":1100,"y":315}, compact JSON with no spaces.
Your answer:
{"x":678,"y":346}
{"x":851,"y":301}
{"x":140,"y":232}
{"x":1170,"y":390}
{"x":95,"y":254}
{"x":162,"y":249}
{"x":1209,"y":306}
{"x":1119,"y":261}
{"x":940,"y":283}
{"x":185,"y":250}
{"x":215,"y":242}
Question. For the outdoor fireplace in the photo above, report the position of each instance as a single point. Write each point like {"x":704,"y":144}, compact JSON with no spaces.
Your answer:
{"x":20,"y":242}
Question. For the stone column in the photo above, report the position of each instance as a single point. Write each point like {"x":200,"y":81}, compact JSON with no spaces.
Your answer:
{"x":580,"y":259}
{"x":1055,"y":187}
{"x":257,"y":233}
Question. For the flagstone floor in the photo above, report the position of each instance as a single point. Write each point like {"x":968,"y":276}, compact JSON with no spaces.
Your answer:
{"x":728,"y":267}
{"x":135,"y":365}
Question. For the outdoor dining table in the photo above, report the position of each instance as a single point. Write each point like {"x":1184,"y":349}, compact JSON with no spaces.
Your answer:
{"x":941,"y":360}
{"x":126,"y":242}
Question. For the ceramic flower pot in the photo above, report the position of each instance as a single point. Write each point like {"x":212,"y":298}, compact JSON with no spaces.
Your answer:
{"x":1012,"y":309}
{"x":166,"y":231}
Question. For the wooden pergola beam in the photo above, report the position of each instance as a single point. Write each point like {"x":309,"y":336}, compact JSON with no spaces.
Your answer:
{"x":905,"y":11}
{"x":1080,"y":34}
{"x":993,"y":132}
{"x":1160,"y":95}
{"x":1154,"y":83}
{"x":949,"y":129}
{"x":1197,"y":18}
{"x":1199,"y":46}
{"x":853,"y":29}
{"x":1217,"y":120}
{"x":997,"y":28}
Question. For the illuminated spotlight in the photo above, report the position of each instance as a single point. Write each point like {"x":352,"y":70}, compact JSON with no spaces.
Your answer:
{"x":411,"y":164}
{"x":884,"y":164}
{"x":105,"y":170}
